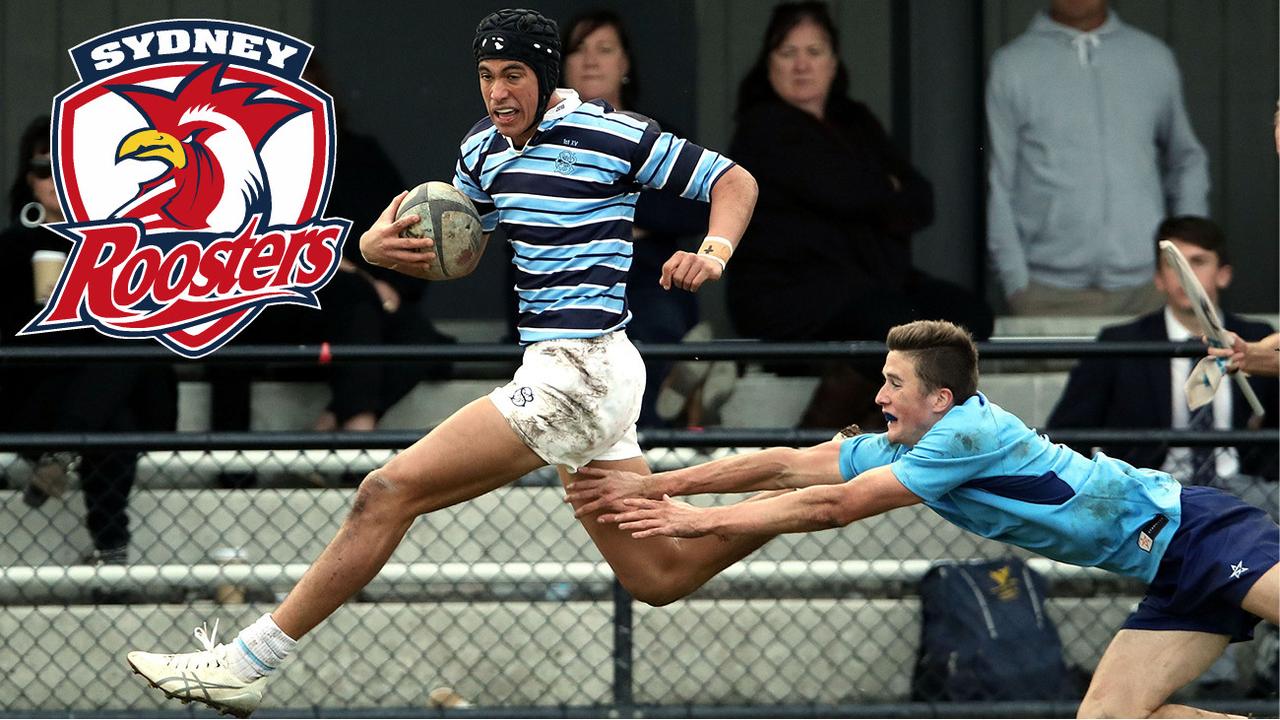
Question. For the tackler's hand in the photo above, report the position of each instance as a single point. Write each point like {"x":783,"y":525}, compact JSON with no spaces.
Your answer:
{"x":688,"y":271}
{"x":383,"y":245}
{"x":597,"y":489}
{"x":660,"y":518}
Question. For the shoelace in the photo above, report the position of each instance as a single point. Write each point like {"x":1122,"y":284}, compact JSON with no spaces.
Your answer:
{"x":211,"y":655}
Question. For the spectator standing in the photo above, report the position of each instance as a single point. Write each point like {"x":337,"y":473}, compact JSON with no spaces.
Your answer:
{"x":828,"y":255}
{"x":1090,"y":147}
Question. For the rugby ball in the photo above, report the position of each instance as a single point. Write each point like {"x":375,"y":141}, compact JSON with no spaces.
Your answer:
{"x":448,"y":218}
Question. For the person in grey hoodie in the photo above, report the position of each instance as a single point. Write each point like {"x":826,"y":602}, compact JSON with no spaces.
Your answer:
{"x":1090,"y":147}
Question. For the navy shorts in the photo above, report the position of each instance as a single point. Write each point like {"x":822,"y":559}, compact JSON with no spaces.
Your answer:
{"x":1221,"y":548}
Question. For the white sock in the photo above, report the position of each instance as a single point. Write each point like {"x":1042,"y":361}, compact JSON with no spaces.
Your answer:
{"x":259,"y":649}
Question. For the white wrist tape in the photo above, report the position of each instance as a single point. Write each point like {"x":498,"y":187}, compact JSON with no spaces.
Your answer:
{"x":716,"y":248}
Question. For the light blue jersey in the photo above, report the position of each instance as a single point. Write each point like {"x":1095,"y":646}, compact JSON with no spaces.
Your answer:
{"x":981,"y":468}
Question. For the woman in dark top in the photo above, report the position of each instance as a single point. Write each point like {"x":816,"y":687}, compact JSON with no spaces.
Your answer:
{"x":598,"y":65}
{"x":828,"y":255}
{"x":92,"y":397}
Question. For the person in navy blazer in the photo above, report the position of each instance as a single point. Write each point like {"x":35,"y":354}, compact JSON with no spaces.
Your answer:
{"x":1138,"y":392}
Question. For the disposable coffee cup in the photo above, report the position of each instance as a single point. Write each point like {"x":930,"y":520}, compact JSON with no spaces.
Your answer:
{"x":46,"y":267}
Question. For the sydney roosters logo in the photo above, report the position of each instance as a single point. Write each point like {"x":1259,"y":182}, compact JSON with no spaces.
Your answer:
{"x":193,"y":163}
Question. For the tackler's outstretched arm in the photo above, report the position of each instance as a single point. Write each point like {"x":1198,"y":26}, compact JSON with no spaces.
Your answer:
{"x":814,"y":508}
{"x":774,"y":469}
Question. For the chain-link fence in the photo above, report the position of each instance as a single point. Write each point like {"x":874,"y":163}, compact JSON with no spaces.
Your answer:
{"x":503,"y":600}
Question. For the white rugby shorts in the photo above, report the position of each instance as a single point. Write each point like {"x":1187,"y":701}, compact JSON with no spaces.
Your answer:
{"x":576,"y":400}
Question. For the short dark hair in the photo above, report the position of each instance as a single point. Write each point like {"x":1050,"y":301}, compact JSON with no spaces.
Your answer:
{"x":1201,"y":232}
{"x":944,"y":354}
{"x":587,"y":22}
{"x":755,"y":88}
{"x":34,"y":141}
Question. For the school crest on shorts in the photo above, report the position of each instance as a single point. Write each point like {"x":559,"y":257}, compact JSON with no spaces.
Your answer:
{"x":193,"y":164}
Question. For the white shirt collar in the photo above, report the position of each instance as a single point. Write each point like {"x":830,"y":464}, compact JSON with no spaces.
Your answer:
{"x":569,"y":101}
{"x":1174,"y":328}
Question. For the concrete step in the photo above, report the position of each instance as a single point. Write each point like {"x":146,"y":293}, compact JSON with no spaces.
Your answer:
{"x":473,"y":331}
{"x":758,"y":400}
{"x":276,"y":405}
{"x":390,"y":655}
{"x":235,"y":583}
{"x":1030,"y":396}
{"x":1011,"y":326}
{"x":762,"y":399}
{"x":1014,"y":326}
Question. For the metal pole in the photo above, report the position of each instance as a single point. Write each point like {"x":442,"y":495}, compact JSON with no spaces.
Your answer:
{"x":622,"y":647}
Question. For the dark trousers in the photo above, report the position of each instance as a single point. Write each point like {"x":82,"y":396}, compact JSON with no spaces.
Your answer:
{"x":97,"y":397}
{"x":114,"y":398}
{"x":107,"y":479}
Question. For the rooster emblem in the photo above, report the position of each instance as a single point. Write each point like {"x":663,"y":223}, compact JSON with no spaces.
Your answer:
{"x":208,"y":136}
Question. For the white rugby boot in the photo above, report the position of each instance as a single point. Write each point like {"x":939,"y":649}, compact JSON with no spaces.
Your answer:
{"x":203,"y":676}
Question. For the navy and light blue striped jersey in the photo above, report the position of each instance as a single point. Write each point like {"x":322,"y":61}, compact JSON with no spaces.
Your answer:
{"x":567,"y":200}
{"x":981,"y":468}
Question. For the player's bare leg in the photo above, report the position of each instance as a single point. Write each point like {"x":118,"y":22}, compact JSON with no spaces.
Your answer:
{"x":1142,"y":668}
{"x":658,"y":571}
{"x":471,"y":453}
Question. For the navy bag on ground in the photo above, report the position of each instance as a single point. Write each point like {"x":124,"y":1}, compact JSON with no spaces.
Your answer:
{"x":985,"y":636}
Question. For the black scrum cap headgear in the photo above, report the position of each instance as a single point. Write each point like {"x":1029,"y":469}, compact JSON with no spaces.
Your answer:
{"x":526,"y":36}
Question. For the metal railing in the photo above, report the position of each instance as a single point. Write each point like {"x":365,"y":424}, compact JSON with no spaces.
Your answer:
{"x":741,"y":350}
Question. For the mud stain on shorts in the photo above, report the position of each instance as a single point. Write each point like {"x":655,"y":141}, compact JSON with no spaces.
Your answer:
{"x":570,"y":419}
